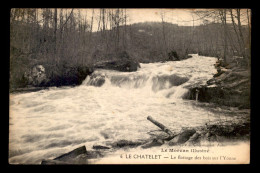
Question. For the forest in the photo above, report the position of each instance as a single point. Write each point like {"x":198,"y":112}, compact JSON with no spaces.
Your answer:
{"x":59,"y":39}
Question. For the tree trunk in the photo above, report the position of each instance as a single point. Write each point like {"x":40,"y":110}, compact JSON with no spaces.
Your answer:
{"x":222,"y":14}
{"x":55,"y":34}
{"x":249,"y":35}
{"x":164,"y":37}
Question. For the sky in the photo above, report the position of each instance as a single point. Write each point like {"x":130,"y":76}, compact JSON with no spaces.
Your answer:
{"x":182,"y":17}
{"x":176,"y":16}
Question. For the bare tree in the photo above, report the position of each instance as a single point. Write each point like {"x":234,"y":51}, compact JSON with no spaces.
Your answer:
{"x":163,"y":32}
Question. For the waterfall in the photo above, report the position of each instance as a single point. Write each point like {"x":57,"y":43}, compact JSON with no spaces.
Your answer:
{"x":169,"y":78}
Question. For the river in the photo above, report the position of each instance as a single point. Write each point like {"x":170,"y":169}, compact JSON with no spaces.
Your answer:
{"x":48,"y":123}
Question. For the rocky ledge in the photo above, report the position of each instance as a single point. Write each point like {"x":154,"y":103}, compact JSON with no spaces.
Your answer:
{"x":40,"y":77}
{"x":119,"y":65}
{"x":230,"y":86}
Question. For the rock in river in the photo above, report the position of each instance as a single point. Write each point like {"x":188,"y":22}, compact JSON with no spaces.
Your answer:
{"x":182,"y":137}
{"x":119,"y":65}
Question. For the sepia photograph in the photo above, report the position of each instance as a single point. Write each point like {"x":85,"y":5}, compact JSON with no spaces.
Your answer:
{"x":129,"y":86}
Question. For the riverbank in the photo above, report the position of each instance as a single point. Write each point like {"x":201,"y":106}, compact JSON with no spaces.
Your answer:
{"x":230,"y":86}
{"x":212,"y":134}
{"x":40,"y":77}
{"x":45,"y":75}
{"x":225,"y":132}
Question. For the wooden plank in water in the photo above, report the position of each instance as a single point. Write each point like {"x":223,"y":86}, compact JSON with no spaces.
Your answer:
{"x":161,"y":126}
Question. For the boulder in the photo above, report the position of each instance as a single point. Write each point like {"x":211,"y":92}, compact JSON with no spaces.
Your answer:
{"x":119,"y":65}
{"x":221,"y":70}
{"x":182,"y":137}
{"x":35,"y":76}
{"x":94,"y":154}
{"x":72,"y":155}
{"x":76,"y":156}
{"x":153,"y":143}
{"x":194,"y":138}
{"x":116,"y":60}
{"x":69,"y":75}
{"x":229,"y":87}
{"x":173,"y":56}
{"x":96,"y":80}
{"x":60,"y":76}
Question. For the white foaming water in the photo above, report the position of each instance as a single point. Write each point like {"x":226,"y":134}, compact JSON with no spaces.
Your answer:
{"x":108,"y":106}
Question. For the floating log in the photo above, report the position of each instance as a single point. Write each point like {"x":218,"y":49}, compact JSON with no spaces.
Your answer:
{"x":126,"y":143}
{"x":161,"y":126}
{"x":98,"y":147}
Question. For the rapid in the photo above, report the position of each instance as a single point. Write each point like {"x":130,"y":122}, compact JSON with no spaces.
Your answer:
{"x":108,"y":106}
